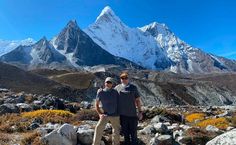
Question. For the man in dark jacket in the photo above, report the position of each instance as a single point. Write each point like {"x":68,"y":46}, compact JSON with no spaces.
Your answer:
{"x":129,"y":99}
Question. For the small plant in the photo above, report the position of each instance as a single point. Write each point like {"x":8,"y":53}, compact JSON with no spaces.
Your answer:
{"x":47,"y":113}
{"x":220,"y":123}
{"x":195,"y":116}
{"x":53,"y":116}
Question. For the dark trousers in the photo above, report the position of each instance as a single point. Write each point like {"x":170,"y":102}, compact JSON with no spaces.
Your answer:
{"x":129,"y":129}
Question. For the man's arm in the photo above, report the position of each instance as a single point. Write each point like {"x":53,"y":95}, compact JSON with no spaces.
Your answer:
{"x":138,"y":104}
{"x":97,"y":107}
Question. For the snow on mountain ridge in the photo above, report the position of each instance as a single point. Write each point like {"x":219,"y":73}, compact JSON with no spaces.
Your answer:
{"x":9,"y":45}
{"x":113,"y":35}
{"x":187,"y":59}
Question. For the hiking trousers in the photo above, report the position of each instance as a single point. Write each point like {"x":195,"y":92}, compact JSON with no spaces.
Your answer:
{"x":115,"y":122}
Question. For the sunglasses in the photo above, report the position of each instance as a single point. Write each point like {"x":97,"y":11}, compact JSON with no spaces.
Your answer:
{"x":108,"y":82}
{"x":124,"y":78}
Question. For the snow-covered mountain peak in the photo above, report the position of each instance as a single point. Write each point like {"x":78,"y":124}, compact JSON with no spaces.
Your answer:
{"x":106,"y":10}
{"x":107,"y":15}
{"x":72,"y":24}
{"x":113,"y":35}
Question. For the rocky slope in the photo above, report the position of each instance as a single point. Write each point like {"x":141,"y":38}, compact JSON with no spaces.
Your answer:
{"x":159,"y":88}
{"x":18,"y":80}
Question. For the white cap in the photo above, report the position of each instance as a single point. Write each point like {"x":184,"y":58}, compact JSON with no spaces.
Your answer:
{"x":109,"y":79}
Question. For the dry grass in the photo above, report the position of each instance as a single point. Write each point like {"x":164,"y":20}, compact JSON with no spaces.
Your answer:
{"x":31,"y":138}
{"x":232,"y":120}
{"x":149,"y":114}
{"x":29,"y":99}
{"x":76,"y":80}
{"x":13,"y":122}
{"x":4,"y":138}
{"x":195,"y":116}
{"x":220,"y":123}
{"x":87,"y":114}
{"x":10,"y":123}
{"x":196,"y":136}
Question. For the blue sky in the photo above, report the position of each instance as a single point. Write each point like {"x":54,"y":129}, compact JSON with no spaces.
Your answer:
{"x":206,"y":24}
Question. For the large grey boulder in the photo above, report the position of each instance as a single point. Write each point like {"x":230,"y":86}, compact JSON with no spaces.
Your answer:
{"x":65,"y":135}
{"x":85,"y":135}
{"x":159,"y":118}
{"x":8,"y":108}
{"x":161,"y":128}
{"x":228,"y":138}
{"x":24,"y":107}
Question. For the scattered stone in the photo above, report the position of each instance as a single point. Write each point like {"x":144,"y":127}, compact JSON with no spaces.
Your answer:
{"x":178,"y":133}
{"x":229,"y":128}
{"x":159,"y":118}
{"x":24,"y":107}
{"x":185,"y":127}
{"x":161,"y":128}
{"x":85,"y":105}
{"x":33,"y":126}
{"x":149,"y":130}
{"x":212,"y":128}
{"x":38,"y":120}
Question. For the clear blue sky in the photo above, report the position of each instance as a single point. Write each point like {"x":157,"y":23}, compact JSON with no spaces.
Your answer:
{"x":206,"y":24}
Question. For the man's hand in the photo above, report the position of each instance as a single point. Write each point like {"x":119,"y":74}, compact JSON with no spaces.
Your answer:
{"x":99,"y":90}
{"x":101,"y":116}
{"x":140,"y":115}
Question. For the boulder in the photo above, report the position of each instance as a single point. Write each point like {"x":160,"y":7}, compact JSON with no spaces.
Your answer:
{"x":212,"y":128}
{"x":149,"y":130}
{"x":24,"y":107}
{"x":228,"y":138}
{"x":33,"y":126}
{"x":85,"y":135}
{"x":8,"y":108}
{"x":65,"y":135}
{"x":160,"y":118}
{"x":161,"y":128}
{"x":177,"y":133}
{"x":85,"y":105}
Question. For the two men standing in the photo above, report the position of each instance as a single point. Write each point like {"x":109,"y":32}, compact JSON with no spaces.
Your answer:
{"x":118,"y":108}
